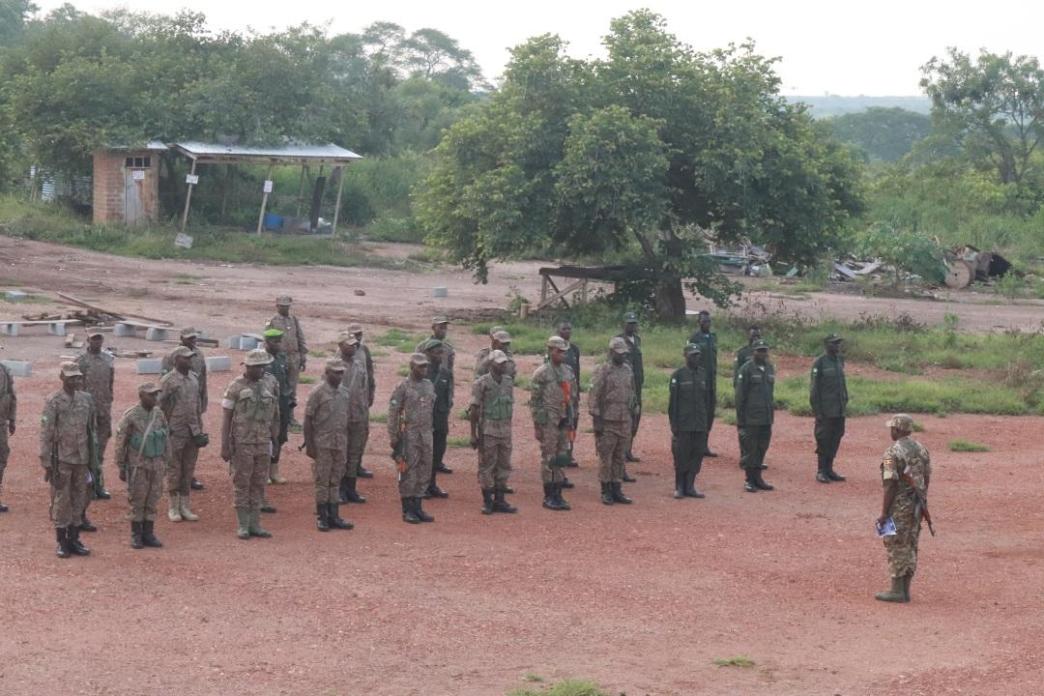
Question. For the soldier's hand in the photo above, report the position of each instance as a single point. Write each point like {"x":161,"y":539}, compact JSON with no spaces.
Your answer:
{"x":474,"y":443}
{"x":123,"y":475}
{"x":226,"y":454}
{"x":536,"y":433}
{"x":304,"y":362}
{"x":312,"y":452}
{"x":11,"y":427}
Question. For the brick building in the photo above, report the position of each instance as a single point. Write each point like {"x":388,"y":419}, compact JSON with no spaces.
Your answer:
{"x":126,"y":184}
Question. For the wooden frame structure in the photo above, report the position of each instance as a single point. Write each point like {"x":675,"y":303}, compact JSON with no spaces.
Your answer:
{"x":550,"y":293}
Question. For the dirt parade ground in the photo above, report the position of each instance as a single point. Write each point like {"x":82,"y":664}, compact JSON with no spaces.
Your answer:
{"x":642,"y":599}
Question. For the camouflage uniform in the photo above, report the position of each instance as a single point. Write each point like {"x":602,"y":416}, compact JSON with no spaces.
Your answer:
{"x":905,"y":456}
{"x":410,"y":427}
{"x":143,"y":458}
{"x":494,"y":402}
{"x":482,"y":363}
{"x":181,"y":405}
{"x":67,"y":434}
{"x":613,"y":400}
{"x":552,"y":417}
{"x":8,"y":411}
{"x":326,"y":412}
{"x":98,"y":376}
{"x":358,"y":390}
{"x":293,"y":345}
{"x":198,"y":367}
{"x":255,"y":424}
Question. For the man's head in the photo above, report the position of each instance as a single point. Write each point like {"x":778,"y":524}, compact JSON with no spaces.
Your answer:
{"x":440,"y":327}
{"x":254,"y":363}
{"x":618,"y":350}
{"x":189,"y":335}
{"x":273,"y":340}
{"x":347,"y":343}
{"x":630,"y":323}
{"x":95,"y":339}
{"x":148,"y":393}
{"x":704,"y":319}
{"x":418,"y":366}
{"x":283,"y":303}
{"x":183,"y":359}
{"x":356,"y":330}
{"x":334,"y":372}
{"x":900,"y":425}
{"x":556,"y":348}
{"x":502,"y":340}
{"x":761,"y":352}
{"x":565,"y":330}
{"x":434,"y":349}
{"x":833,"y":344}
{"x":753,"y":334}
{"x":692,"y":354}
{"x":498,"y":361}
{"x":72,"y":378}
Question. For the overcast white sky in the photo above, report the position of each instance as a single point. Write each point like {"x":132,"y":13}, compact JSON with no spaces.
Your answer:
{"x":839,"y":46}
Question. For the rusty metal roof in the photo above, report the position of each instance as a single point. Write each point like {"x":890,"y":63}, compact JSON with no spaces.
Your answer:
{"x":294,"y":153}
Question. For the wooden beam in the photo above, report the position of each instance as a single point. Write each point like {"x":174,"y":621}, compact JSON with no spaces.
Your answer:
{"x":559,"y":295}
{"x":337,"y":204}
{"x":188,"y":198}
{"x":264,"y":201}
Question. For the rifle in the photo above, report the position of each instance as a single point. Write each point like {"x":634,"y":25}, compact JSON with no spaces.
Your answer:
{"x":922,"y":504}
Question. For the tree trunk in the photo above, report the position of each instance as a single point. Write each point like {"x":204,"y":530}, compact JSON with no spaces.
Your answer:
{"x":669,"y":300}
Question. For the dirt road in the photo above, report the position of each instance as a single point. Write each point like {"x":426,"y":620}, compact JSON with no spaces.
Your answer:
{"x":642,"y":599}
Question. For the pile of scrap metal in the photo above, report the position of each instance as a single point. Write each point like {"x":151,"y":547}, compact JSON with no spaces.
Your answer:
{"x":88,"y":317}
{"x":966,"y":264}
{"x":851,"y":268}
{"x":746,"y":258}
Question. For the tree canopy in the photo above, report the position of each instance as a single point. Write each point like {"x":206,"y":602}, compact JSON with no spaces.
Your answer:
{"x":884,"y":134}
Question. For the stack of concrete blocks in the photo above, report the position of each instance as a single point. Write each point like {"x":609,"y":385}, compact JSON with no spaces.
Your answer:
{"x":243,"y":341}
{"x":19,"y":368}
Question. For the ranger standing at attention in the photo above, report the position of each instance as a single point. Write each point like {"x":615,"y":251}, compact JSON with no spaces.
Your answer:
{"x":357,"y":331}
{"x":490,"y":412}
{"x":250,"y":424}
{"x":906,"y":470}
{"x":828,"y":396}
{"x":198,"y":366}
{"x":755,"y":411}
{"x":746,"y":352}
{"x":98,"y":376}
{"x":278,"y":370}
{"x":634,"y":357}
{"x":550,"y":405}
{"x":410,"y":429}
{"x":439,"y":330}
{"x":708,"y":343}
{"x":612,"y":405}
{"x":572,"y":359}
{"x":142,"y":451}
{"x":687,"y":412}
{"x":8,"y":410}
{"x":67,"y":448}
{"x":326,"y":443}
{"x":499,"y":340}
{"x":293,"y":345}
{"x":355,"y":383}
{"x":179,"y":400}
{"x":442,"y":380}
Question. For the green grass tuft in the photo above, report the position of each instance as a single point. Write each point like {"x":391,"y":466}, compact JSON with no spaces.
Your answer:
{"x":960,"y":445}
{"x":738,"y":661}
{"x":565,"y":688}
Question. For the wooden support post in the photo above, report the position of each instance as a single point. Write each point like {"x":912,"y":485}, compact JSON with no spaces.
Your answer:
{"x":300,"y":189}
{"x":264,"y":201}
{"x":543,"y":287}
{"x":188,"y":198}
{"x":337,"y":204}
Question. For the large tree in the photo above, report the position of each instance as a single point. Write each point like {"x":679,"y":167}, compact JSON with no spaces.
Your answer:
{"x":884,"y":134}
{"x":639,"y":154}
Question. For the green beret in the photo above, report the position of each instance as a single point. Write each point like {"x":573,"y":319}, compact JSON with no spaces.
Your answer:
{"x":273,"y":333}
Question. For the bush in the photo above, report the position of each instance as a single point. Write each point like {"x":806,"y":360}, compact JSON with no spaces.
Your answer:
{"x":967,"y":446}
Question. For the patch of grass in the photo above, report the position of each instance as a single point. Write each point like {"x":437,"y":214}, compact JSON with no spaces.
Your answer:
{"x":530,"y":677}
{"x":403,"y":371}
{"x":960,"y":445}
{"x":378,"y":417}
{"x":737,"y":661}
{"x":306,"y":379}
{"x":315,"y":353}
{"x":186,"y":279}
{"x":569,"y":687}
{"x":399,"y":340}
{"x":458,"y":441}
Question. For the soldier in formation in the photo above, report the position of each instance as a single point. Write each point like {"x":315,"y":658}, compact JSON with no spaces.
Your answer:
{"x":68,"y":452}
{"x":355,"y":383}
{"x":410,"y":429}
{"x":551,"y":407}
{"x":142,"y":452}
{"x":439,"y":331}
{"x":98,"y":377}
{"x":745,"y":352}
{"x":490,"y":412}
{"x":278,"y":372}
{"x":572,"y":359}
{"x":613,"y":406}
{"x":250,"y":424}
{"x":499,"y":340}
{"x":189,"y":337}
{"x":687,"y":413}
{"x":441,"y":378}
{"x":8,"y":411}
{"x":293,"y":345}
{"x":906,"y":471}
{"x":356,"y":330}
{"x":326,"y":443}
{"x":828,"y":396}
{"x":707,"y":340}
{"x":183,"y":409}
{"x":755,"y":411}
{"x":633,"y":342}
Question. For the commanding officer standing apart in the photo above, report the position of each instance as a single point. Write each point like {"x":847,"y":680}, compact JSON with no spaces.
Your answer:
{"x":550,"y":405}
{"x":198,"y":366}
{"x":278,"y":370}
{"x":442,"y":380}
{"x":326,"y":443}
{"x":293,"y":344}
{"x":179,"y":400}
{"x":409,"y":431}
{"x":8,"y":410}
{"x":355,"y":383}
{"x":439,"y":329}
{"x":66,"y":452}
{"x":98,"y":375}
{"x":687,"y":412}
{"x":357,"y":331}
{"x":142,"y":451}
{"x":572,"y":359}
{"x":828,"y":396}
{"x":633,"y":342}
{"x":905,"y":471}
{"x":612,"y":405}
{"x":708,"y":343}
{"x":490,"y":412}
{"x":755,"y":409}
{"x":250,"y":425}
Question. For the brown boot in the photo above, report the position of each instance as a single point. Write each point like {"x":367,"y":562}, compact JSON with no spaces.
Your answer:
{"x":896,"y":594}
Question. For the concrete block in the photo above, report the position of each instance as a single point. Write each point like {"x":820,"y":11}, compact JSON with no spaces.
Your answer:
{"x":15,"y":295}
{"x":440,"y":292}
{"x":9,"y":329}
{"x":56,"y":328}
{"x":247,"y":343}
{"x":155,"y":333}
{"x":233,"y":342}
{"x":123,"y":330}
{"x":19,"y":368}
{"x":219,"y":363}
{"x":149,"y":366}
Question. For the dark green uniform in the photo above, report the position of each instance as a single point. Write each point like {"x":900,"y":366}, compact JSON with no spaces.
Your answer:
{"x":828,"y":396}
{"x":279,"y":371}
{"x":742,"y":356}
{"x":442,"y":380}
{"x":708,"y":343}
{"x":687,"y":411}
{"x":572,"y":359}
{"x":755,"y":410}
{"x":634,"y":359}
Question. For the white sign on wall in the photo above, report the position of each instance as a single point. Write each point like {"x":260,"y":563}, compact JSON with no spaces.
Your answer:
{"x":139,"y":175}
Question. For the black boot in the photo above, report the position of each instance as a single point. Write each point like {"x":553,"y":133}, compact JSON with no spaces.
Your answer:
{"x":627,"y":478}
{"x":562,"y":503}
{"x":630,"y":457}
{"x":833,"y":475}
{"x":61,"y":535}
{"x":342,"y":490}
{"x":3,"y":508}
{"x":419,"y":511}
{"x":508,"y":489}
{"x":72,"y":536}
{"x":501,"y":505}
{"x":679,"y":485}
{"x":86,"y":525}
{"x":443,"y":469}
{"x":618,"y":496}
{"x":103,"y":495}
{"x":350,"y":494}
{"x":408,"y":515}
{"x":551,"y":499}
{"x":364,"y":472}
{"x":435,"y":492}
{"x":333,"y":517}
{"x":566,"y":483}
{"x":321,"y":523}
{"x":690,"y":485}
{"x":136,"y":542}
{"x":197,"y":485}
{"x":749,"y":485}
{"x":760,"y":482}
{"x":148,"y":537}
{"x":607,"y":493}
{"x":487,"y":501}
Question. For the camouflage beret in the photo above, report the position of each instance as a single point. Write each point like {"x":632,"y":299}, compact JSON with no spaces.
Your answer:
{"x":284,"y":301}
{"x":355,"y":328}
{"x":498,"y":357}
{"x":557,"y":342}
{"x":430,"y":344}
{"x":419,"y":359}
{"x":347,"y":337}
{"x":618,"y":345}
{"x":336,"y":365}
{"x":71,"y":369}
{"x":148,"y":388}
{"x":439,"y":319}
{"x":258,"y":356}
{"x":502,"y":337}
{"x":189,"y":332}
{"x":183,"y":352}
{"x":901,"y":421}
